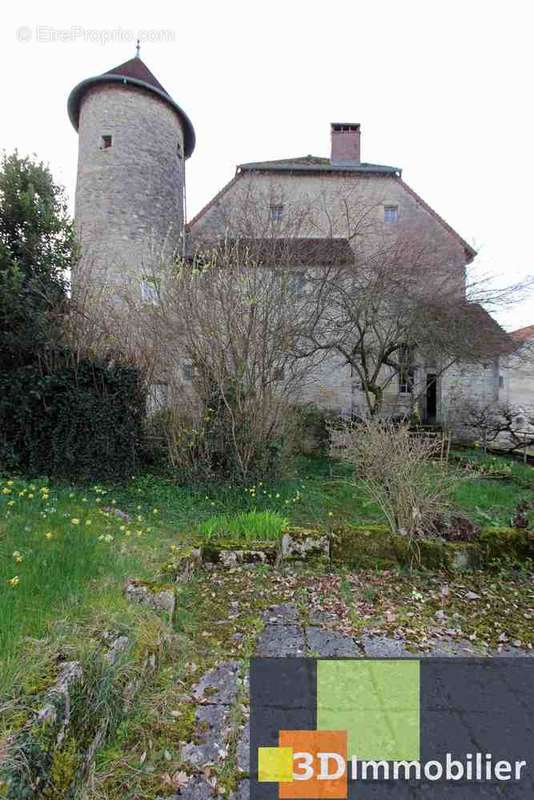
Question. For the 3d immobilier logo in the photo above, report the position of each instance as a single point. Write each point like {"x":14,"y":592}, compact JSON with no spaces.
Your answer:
{"x":364,"y":728}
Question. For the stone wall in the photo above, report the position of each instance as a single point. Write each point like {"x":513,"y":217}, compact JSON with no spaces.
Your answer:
{"x":519,"y":379}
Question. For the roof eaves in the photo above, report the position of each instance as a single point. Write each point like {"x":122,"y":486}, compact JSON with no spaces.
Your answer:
{"x":469,"y":250}
{"x":266,"y":166}
{"x":76,"y":96}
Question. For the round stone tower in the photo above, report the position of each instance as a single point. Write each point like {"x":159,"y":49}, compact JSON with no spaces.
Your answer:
{"x":133,"y":142}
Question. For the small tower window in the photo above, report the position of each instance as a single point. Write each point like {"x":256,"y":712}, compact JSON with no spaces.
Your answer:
{"x":179,"y":150}
{"x":391,"y":213}
{"x":106,"y":141}
{"x":277,"y":212}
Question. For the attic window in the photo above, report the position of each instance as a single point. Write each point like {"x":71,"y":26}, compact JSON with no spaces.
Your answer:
{"x":106,"y":141}
{"x":277,"y":212}
{"x":391,"y":213}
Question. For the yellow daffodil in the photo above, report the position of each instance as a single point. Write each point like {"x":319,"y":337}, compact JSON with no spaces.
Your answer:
{"x":49,"y":535}
{"x":75,"y":521}
{"x":14,"y":581}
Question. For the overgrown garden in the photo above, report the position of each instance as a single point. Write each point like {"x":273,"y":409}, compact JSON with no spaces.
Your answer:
{"x":145,"y":536}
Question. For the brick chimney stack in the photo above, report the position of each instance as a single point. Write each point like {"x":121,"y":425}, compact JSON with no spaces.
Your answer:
{"x":345,"y":143}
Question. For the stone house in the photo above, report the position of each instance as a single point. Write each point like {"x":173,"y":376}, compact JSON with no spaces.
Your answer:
{"x":342,"y":200}
{"x":130,"y":214}
{"x":519,"y":373}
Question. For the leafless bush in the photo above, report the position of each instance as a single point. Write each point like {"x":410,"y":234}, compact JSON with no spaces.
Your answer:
{"x":401,"y":472}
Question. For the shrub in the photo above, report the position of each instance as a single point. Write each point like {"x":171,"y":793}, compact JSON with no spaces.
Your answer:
{"x":397,"y":471}
{"x":72,"y":419}
{"x":206,"y":440}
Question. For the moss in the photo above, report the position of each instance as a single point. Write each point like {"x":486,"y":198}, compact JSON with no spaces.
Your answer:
{"x":364,"y":546}
{"x":506,"y":544}
{"x":374,"y":546}
{"x":301,"y":534}
{"x":184,"y":730}
{"x":63,"y":770}
{"x":155,"y":587}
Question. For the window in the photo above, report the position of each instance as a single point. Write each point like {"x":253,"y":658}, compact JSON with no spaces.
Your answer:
{"x":501,"y":381}
{"x":406,"y":381}
{"x":277,"y":212}
{"x":279,"y":373}
{"x":179,"y":150}
{"x":149,"y":291}
{"x":297,"y":282}
{"x":158,"y":395}
{"x":189,"y":371}
{"x":391,"y":213}
{"x":406,"y":370}
{"x":106,"y":141}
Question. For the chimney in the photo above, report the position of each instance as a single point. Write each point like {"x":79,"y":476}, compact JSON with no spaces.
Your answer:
{"x":345,"y":143}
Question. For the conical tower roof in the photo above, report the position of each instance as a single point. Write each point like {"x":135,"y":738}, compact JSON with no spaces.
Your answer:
{"x":136,"y":74}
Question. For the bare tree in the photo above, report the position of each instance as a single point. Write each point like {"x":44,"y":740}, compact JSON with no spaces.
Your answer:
{"x":489,"y":422}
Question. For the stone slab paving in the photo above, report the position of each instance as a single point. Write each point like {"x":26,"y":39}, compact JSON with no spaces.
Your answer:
{"x":330,"y":644}
{"x":281,"y":640}
{"x":216,"y":695}
{"x":219,"y":686}
{"x":383,"y":647}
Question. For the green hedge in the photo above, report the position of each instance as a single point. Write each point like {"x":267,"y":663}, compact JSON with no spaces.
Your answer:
{"x":77,"y":420}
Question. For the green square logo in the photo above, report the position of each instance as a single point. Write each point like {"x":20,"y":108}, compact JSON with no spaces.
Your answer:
{"x":376,"y":702}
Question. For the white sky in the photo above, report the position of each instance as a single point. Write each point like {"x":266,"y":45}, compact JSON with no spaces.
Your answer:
{"x":442,"y":89}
